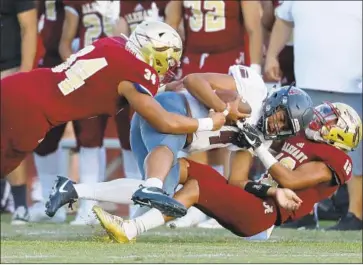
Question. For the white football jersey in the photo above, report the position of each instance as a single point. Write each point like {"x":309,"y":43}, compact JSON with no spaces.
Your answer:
{"x":251,"y":88}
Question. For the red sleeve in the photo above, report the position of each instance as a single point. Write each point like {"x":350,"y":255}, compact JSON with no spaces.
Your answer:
{"x":337,"y":160}
{"x":143,"y":76}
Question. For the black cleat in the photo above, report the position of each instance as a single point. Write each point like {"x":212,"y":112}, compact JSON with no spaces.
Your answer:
{"x":349,"y":222}
{"x":307,"y":222}
{"x":157,"y":198}
{"x":63,"y":192}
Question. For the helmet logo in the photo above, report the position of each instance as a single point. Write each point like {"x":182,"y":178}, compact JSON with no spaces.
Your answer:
{"x":268,"y":107}
{"x":294,"y":91}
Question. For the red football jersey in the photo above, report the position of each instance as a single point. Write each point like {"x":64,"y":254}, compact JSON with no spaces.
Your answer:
{"x":299,"y":150}
{"x":136,"y":12}
{"x":86,"y":84}
{"x":53,"y":23}
{"x":92,"y":24}
{"x":213,"y":26}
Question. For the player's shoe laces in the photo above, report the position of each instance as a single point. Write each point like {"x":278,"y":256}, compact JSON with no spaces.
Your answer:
{"x":157,"y":198}
{"x":63,"y":192}
{"x":112,"y":224}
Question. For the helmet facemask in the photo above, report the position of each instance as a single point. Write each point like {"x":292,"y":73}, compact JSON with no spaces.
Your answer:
{"x":162,"y":56}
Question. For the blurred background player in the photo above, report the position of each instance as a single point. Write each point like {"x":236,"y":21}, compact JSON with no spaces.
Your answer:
{"x":218,"y":34}
{"x":18,"y":50}
{"x":132,"y":13}
{"x":328,"y":66}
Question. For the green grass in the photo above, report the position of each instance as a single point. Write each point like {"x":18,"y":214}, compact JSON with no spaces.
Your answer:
{"x":49,"y":243}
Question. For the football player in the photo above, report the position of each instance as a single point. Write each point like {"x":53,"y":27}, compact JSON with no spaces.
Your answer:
{"x":99,"y":79}
{"x":286,"y":111}
{"x":314,"y":164}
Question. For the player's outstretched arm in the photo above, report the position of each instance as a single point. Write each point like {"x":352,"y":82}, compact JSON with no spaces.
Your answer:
{"x":202,"y":86}
{"x":164,"y":121}
{"x":305,"y":176}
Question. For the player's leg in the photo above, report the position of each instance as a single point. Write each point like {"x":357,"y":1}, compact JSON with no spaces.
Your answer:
{"x":89,"y":134}
{"x":124,"y":231}
{"x":10,"y":161}
{"x":238,"y":211}
{"x":46,"y":158}
{"x":162,"y":148}
{"x":131,"y":168}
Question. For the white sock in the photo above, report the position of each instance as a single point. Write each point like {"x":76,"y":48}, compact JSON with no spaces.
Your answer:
{"x":154,"y":182}
{"x":48,"y":170}
{"x":89,"y":170}
{"x":219,"y":169}
{"x":194,"y":216}
{"x":151,"y":219}
{"x":132,"y":171}
{"x":116,"y":191}
{"x":140,"y":210}
{"x":103,"y":162}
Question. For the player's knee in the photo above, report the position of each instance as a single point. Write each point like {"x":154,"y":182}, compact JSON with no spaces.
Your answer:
{"x":193,"y":189}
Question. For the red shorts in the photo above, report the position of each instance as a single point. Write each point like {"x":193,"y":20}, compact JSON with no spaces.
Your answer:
{"x":235,"y":209}
{"x":215,"y":62}
{"x":23,"y":124}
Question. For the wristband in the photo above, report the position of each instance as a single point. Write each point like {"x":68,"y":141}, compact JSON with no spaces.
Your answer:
{"x":256,"y":67}
{"x":266,"y":157}
{"x":205,"y":124}
{"x":259,"y":190}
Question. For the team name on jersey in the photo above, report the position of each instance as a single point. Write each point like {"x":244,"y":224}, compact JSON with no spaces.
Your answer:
{"x":294,"y":152}
{"x":138,"y":16}
{"x":90,"y":8}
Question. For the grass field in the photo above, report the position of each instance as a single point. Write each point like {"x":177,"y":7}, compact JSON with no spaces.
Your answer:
{"x":49,"y":243}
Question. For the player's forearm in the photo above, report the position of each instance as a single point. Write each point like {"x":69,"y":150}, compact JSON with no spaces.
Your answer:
{"x":281,"y":174}
{"x":65,"y":50}
{"x":121,"y":27}
{"x":177,"y":124}
{"x":255,"y":45}
{"x":28,"y":44}
{"x":280,"y":35}
{"x":201,"y":89}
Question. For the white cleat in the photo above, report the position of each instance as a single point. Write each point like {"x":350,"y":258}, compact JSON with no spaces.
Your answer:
{"x":37,"y":214}
{"x":210,"y":224}
{"x":20,"y":216}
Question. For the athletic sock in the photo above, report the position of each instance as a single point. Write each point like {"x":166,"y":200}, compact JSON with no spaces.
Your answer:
{"x":19,"y":194}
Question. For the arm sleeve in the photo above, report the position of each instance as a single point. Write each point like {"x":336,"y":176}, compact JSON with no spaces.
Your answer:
{"x":284,"y":11}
